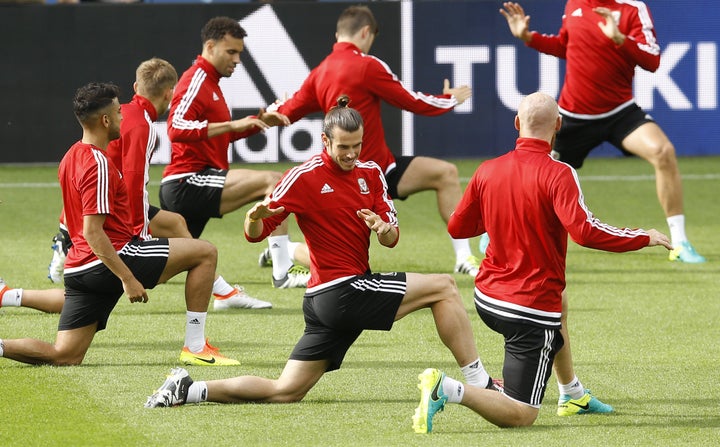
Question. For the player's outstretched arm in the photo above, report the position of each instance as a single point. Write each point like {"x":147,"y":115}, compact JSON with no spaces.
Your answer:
{"x":253,"y":224}
{"x":273,"y":118}
{"x":460,"y":93}
{"x":658,"y":238}
{"x":518,"y":22}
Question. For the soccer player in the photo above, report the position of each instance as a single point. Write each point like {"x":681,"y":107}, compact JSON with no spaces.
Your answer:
{"x":155,"y":80}
{"x":198,"y":183}
{"x":602,"y":42}
{"x":339,"y":202}
{"x":528,"y":203}
{"x":368,"y":81}
{"x":611,"y":38}
{"x":106,"y":260}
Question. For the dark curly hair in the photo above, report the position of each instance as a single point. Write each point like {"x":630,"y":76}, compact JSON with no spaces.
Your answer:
{"x":217,"y":27}
{"x":93,"y":97}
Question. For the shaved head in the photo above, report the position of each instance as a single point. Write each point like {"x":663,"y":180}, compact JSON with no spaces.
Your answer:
{"x":538,"y":116}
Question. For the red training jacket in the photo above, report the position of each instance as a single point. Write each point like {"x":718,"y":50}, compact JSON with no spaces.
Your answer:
{"x":528,"y":203}
{"x":599,"y":74}
{"x":367,"y":80}
{"x":198,"y":101}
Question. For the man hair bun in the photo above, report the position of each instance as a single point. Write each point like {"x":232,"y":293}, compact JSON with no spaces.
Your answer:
{"x":343,"y":101}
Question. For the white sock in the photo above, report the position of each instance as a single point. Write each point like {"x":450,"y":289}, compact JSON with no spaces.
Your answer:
{"x":677,"y":229}
{"x":279,"y":253}
{"x":197,"y":393}
{"x":195,"y":331}
{"x":453,"y":389}
{"x":2,"y":348}
{"x":574,"y":389}
{"x":475,"y":374}
{"x":221,"y":287}
{"x":462,"y":249}
{"x":11,"y":298}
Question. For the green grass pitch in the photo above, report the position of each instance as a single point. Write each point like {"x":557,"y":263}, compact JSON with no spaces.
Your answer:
{"x":645,"y":336}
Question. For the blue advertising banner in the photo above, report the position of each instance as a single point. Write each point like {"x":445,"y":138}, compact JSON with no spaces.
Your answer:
{"x":423,"y":42}
{"x":476,"y":48}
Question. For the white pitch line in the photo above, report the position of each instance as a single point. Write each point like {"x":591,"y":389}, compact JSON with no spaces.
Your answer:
{"x":631,"y":178}
{"x":586,"y":178}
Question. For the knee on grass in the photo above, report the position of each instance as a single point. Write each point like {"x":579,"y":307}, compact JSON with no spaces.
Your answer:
{"x":522,"y":416}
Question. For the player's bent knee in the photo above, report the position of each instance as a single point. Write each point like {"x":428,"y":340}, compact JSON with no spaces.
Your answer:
{"x":179,"y":224}
{"x":662,"y":154}
{"x":451,"y":171}
{"x":202,"y":249}
{"x":446,"y":173}
{"x":524,"y":416}
{"x":68,"y":360}
{"x":212,"y":251}
{"x":288,"y":397}
{"x":446,"y":283}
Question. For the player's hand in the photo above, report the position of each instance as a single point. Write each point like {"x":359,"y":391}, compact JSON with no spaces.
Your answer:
{"x":135,"y":291}
{"x":374,"y":222}
{"x":518,"y":22}
{"x":262,"y":210}
{"x":460,"y":93}
{"x":609,"y":26}
{"x":273,"y":118}
{"x":247,"y":123}
{"x":658,"y":238}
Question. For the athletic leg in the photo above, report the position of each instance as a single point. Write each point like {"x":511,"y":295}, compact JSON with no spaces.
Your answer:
{"x":169,"y":224}
{"x":243,"y":186}
{"x":296,"y":379}
{"x":199,"y":259}
{"x":69,"y":348}
{"x":425,"y":173}
{"x":563,"y":365}
{"x":650,"y":142}
{"x":440,"y":293}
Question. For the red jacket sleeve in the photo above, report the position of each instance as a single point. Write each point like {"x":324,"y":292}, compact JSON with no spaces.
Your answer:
{"x":584,"y":228}
{"x":134,"y":147}
{"x":640,"y":44}
{"x":466,"y":221}
{"x":384,"y":84}
{"x":304,"y":101}
{"x":185,"y":122}
{"x":552,"y":44}
{"x":240,"y":135}
{"x":384,"y":206}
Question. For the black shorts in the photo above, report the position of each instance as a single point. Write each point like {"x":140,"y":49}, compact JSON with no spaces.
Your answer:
{"x":195,"y":197}
{"x":577,"y":137}
{"x":529,"y":355}
{"x":335,"y":317}
{"x":152,"y":212}
{"x":393,"y":177}
{"x":92,"y":294}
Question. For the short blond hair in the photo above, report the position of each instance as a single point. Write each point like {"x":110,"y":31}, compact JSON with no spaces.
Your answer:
{"x":155,"y":76}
